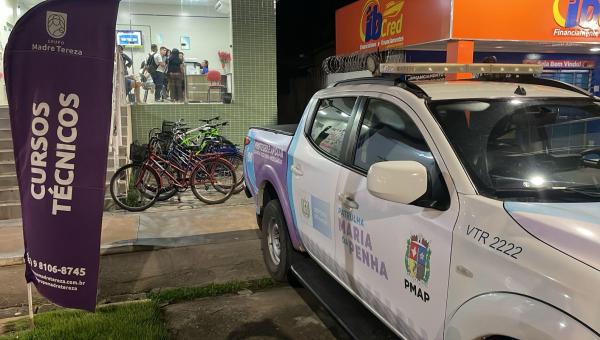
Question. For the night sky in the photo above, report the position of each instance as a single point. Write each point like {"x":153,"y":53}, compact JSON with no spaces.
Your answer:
{"x":305,"y":33}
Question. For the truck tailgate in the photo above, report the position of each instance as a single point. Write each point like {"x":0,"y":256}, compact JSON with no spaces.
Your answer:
{"x":265,"y":156}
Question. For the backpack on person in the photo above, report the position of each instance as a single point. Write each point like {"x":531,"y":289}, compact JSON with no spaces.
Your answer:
{"x":150,"y":63}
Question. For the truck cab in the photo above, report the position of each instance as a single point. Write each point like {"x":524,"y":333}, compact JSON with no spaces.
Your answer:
{"x":451,"y":210}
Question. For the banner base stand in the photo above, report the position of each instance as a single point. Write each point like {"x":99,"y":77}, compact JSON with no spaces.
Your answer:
{"x":30,"y":302}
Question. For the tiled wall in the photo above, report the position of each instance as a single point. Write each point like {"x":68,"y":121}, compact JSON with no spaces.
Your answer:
{"x":255,"y":79}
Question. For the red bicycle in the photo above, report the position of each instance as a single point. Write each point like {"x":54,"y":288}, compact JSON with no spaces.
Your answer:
{"x":137,"y":186}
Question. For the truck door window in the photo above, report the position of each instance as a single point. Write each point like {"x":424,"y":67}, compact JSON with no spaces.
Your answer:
{"x":388,"y":134}
{"x":330,"y":123}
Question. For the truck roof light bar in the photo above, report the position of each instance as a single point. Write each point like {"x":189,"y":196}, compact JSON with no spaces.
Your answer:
{"x":390,"y":81}
{"x":446,"y":68}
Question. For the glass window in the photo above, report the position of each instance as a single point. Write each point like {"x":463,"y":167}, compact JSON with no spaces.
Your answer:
{"x":388,"y":134}
{"x":175,"y":52}
{"x":527,"y":149}
{"x":329,"y":127}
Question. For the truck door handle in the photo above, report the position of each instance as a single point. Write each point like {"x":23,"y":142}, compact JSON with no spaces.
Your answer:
{"x":348,"y":201}
{"x":297,"y":171}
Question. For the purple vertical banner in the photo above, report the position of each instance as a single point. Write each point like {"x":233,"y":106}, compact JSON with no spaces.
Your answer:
{"x":58,"y":66}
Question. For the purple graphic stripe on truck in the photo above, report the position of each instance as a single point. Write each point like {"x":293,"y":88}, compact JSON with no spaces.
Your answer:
{"x":572,"y":228}
{"x":268,"y":158}
{"x":289,"y":189}
{"x":250,"y":176}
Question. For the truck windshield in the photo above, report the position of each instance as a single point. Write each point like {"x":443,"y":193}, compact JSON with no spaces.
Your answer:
{"x":539,"y":150}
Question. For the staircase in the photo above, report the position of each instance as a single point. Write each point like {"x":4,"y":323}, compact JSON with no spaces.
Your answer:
{"x":10,"y":205}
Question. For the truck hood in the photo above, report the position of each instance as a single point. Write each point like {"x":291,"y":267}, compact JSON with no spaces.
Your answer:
{"x":572,"y":228}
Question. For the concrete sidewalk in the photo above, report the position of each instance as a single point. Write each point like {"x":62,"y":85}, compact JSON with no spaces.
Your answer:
{"x":168,"y":224}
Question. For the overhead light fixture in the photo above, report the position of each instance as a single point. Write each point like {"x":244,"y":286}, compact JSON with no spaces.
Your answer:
{"x":595,"y":49}
{"x":499,"y":47}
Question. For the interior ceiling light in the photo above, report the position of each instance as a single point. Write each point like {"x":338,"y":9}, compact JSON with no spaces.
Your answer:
{"x":595,"y":49}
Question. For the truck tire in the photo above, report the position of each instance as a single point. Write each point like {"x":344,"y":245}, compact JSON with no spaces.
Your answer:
{"x":275,"y":242}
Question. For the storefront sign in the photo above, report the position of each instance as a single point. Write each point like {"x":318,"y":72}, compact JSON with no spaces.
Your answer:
{"x":372,"y":25}
{"x":59,"y":68}
{"x":563,"y":64}
{"x":531,"y":20}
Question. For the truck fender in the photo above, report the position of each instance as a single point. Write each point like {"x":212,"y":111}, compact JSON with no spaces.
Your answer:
{"x":513,"y":315}
{"x":269,"y":175}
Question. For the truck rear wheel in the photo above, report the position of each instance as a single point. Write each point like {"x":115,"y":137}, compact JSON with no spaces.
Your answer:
{"x":275,"y":242}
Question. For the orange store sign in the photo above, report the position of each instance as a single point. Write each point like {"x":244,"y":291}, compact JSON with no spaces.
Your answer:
{"x":530,"y":20}
{"x":370,"y":25}
{"x":381,"y":24}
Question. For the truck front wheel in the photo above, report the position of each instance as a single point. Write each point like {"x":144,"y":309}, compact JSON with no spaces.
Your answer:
{"x":275,"y":241}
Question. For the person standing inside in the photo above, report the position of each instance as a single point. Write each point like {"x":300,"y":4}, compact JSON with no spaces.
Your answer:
{"x":127,"y":63}
{"x":156,"y":68}
{"x":166,"y":86}
{"x":175,"y":72}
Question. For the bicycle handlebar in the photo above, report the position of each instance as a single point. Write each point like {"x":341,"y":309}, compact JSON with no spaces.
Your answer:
{"x":208,"y":121}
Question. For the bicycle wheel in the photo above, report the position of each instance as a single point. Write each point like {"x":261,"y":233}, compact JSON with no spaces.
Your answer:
{"x":134,"y":187}
{"x":213,"y":181}
{"x":237,"y":161}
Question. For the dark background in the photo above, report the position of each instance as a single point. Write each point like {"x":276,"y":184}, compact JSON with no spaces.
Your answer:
{"x":305,"y":37}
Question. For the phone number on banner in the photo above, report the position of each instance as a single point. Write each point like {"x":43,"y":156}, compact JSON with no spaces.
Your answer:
{"x":55,"y":269}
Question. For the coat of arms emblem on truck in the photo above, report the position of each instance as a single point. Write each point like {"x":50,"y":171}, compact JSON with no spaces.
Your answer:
{"x":418,"y":257}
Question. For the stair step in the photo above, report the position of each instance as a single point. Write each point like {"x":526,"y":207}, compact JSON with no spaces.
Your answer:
{"x":5,"y":133}
{"x":4,"y":112}
{"x":7,"y":167}
{"x":9,"y":194}
{"x":6,"y":143}
{"x":9,"y":180}
{"x":7,"y":155}
{"x":10,"y":210}
{"x":4,"y":122}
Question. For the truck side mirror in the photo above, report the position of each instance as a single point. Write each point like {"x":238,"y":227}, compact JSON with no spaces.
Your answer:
{"x":398,"y":181}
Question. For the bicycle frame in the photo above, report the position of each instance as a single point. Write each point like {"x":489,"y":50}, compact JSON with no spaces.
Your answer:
{"x":153,"y":161}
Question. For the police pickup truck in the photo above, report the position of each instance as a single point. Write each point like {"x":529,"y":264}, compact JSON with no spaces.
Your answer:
{"x":462,"y":209}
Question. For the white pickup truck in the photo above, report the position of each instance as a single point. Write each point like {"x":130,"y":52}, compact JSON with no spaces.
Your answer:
{"x":450,"y":210}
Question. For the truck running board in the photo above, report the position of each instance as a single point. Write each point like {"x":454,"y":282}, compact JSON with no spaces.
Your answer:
{"x":357,"y":320}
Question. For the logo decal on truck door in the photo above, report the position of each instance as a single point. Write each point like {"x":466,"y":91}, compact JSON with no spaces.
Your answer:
{"x":305,"y":208}
{"x":417,"y":261}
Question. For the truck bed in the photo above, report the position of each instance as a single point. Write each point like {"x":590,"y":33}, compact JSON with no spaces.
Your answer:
{"x":286,"y":129}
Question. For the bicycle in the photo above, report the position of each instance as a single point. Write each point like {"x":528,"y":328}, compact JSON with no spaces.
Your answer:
{"x":137,"y":186}
{"x":208,"y":139}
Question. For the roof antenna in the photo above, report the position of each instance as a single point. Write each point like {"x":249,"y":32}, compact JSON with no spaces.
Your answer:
{"x":520,"y":91}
